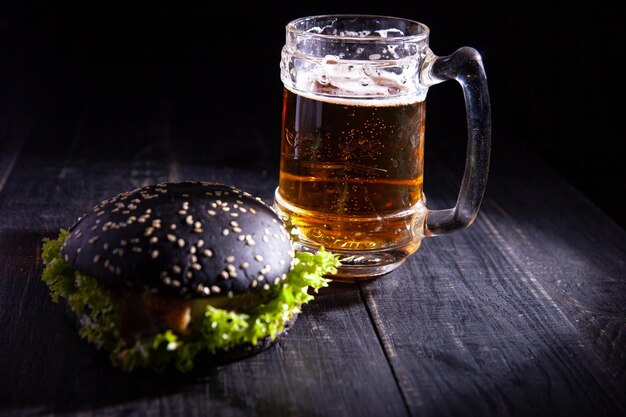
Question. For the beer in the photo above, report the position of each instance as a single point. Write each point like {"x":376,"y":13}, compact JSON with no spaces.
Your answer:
{"x":351,"y":162}
{"x":351,"y":171}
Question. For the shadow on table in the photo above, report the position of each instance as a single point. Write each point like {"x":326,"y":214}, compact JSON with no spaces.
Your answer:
{"x":68,"y":375}
{"x":46,"y":366}
{"x":110,"y":393}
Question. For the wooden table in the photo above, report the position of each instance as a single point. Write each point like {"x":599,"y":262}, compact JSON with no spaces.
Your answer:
{"x":521,"y":314}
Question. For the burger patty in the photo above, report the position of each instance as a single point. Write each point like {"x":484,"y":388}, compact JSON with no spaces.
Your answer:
{"x":145,"y":312}
{"x":175,"y":313}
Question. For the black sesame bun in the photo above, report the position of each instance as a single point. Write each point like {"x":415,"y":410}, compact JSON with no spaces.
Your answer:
{"x":187,"y":239}
{"x":169,"y":273}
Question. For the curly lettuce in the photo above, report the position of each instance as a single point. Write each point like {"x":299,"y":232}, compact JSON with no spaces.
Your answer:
{"x":100,"y":313}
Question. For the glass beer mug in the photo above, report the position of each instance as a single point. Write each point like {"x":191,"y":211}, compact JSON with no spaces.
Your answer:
{"x":351,"y":162}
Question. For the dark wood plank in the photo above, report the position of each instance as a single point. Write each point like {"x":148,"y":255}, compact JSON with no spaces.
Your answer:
{"x":330,"y":364}
{"x":13,"y":134}
{"x":588,"y":279}
{"x":520,"y":314}
{"x":469,"y":326}
{"x":574,"y":251}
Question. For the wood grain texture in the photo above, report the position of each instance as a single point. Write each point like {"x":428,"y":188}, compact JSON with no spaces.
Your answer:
{"x":472,"y":324}
{"x":588,"y":282}
{"x":521,"y":314}
{"x":574,"y":252}
{"x":13,"y":134}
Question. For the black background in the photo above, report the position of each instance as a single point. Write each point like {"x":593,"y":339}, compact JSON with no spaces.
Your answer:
{"x":553,"y":71}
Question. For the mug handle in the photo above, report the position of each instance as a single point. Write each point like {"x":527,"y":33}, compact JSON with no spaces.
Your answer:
{"x":466,"y":67}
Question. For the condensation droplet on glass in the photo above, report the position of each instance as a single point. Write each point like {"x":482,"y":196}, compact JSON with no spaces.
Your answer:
{"x":323,"y":79}
{"x":360,"y":50}
{"x":367,"y":70}
{"x":364,"y":81}
{"x":374,"y":57}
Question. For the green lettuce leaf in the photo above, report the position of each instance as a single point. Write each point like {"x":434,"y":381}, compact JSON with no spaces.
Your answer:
{"x":219,"y":329}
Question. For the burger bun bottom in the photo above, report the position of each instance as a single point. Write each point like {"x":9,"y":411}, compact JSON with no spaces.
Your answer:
{"x":206,"y":361}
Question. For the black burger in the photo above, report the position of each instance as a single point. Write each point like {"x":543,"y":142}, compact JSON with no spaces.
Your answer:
{"x":161,"y":274}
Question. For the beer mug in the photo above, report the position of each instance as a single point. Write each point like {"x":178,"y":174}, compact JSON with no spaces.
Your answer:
{"x":352,"y":146}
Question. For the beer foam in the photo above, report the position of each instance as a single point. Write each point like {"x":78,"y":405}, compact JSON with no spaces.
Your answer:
{"x":331,"y":30}
{"x":359,"y":82}
{"x":335,"y":96}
